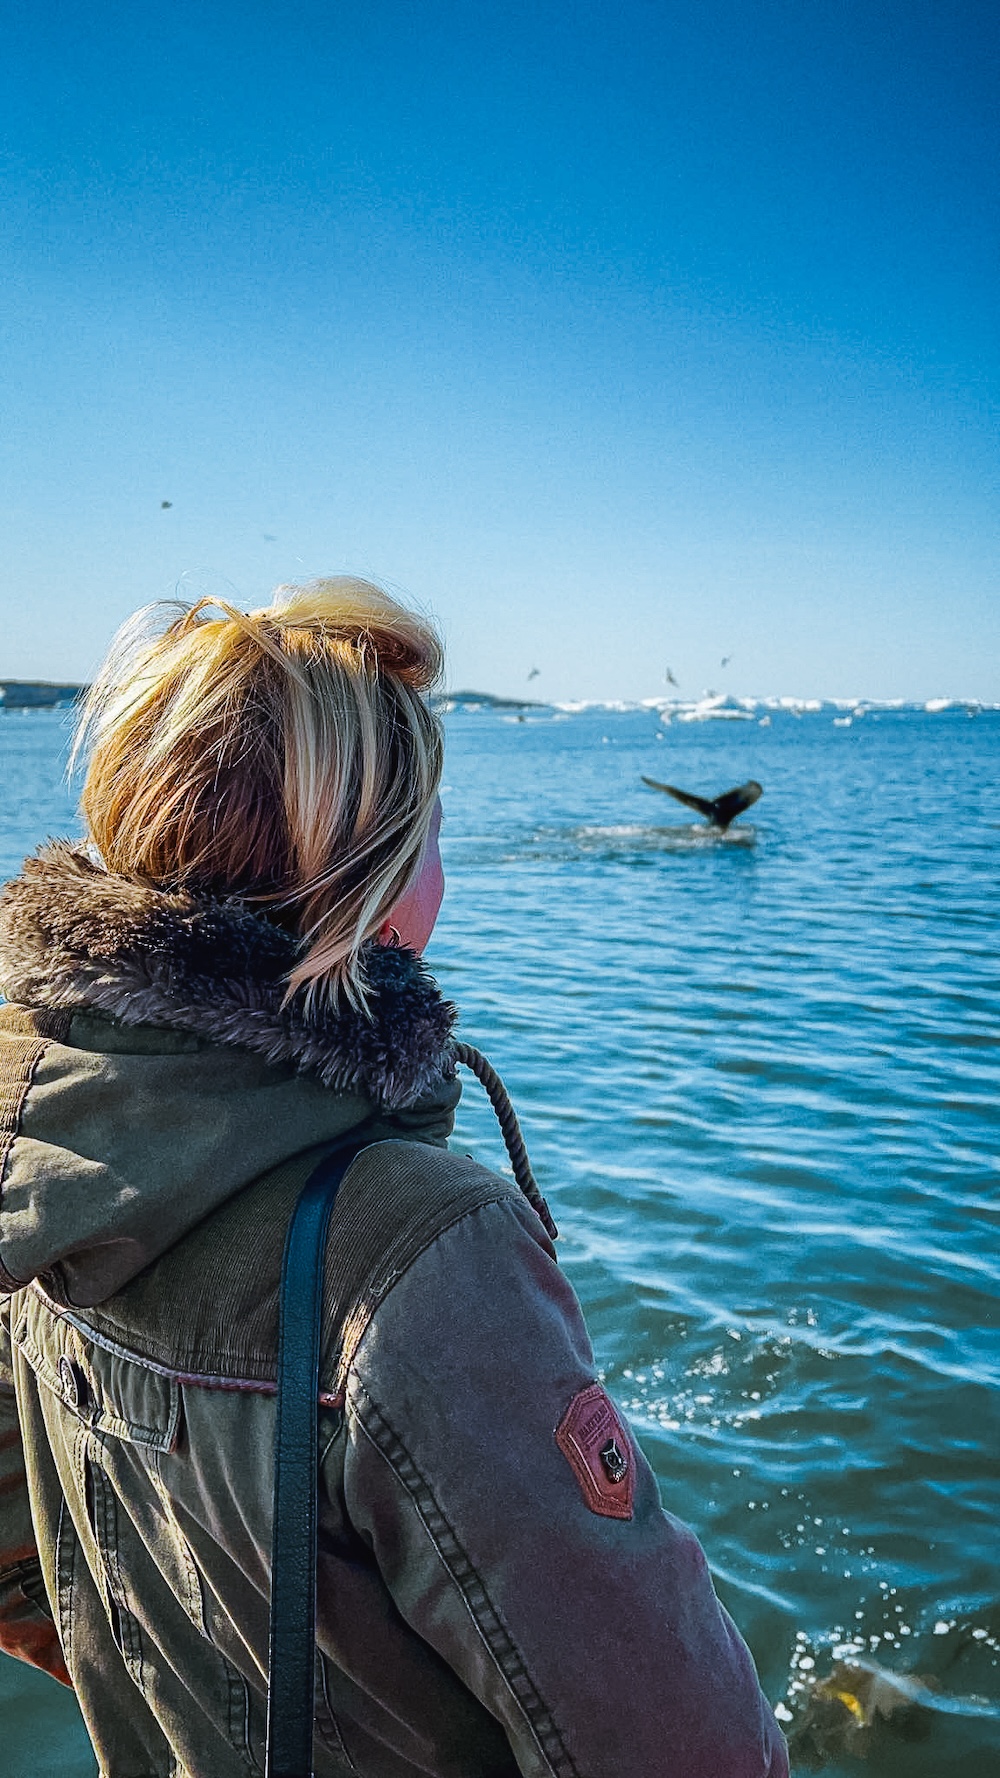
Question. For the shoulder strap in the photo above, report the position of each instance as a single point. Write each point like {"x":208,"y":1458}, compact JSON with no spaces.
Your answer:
{"x":382,"y":1246}
{"x":292,"y":1648}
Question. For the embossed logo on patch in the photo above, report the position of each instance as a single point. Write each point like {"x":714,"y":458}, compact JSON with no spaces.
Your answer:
{"x":614,"y":1461}
{"x":594,"y":1441}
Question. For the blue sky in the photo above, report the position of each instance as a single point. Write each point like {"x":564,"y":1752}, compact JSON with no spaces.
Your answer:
{"x":618,"y":336}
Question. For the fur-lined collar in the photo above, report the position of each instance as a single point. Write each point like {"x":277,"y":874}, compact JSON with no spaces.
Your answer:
{"x":71,"y":935}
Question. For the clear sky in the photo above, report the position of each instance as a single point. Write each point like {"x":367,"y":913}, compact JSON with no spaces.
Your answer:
{"x":617,"y":335}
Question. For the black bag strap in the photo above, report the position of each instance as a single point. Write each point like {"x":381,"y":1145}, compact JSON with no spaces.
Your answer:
{"x":292,"y":1644}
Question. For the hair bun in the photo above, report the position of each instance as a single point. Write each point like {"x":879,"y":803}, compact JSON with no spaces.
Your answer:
{"x":413,"y":658}
{"x":357,"y":612}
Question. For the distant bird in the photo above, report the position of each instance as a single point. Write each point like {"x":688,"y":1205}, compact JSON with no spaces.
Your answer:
{"x":719,"y":811}
{"x":668,"y":676}
{"x":269,"y":537}
{"x":725,"y":660}
{"x":534,"y":673}
{"x":164,"y":504}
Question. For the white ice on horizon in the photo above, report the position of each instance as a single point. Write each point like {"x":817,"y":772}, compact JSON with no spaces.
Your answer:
{"x":726,"y":706}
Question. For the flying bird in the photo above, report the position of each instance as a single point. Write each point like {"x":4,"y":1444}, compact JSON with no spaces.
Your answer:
{"x":725,"y":660}
{"x":164,"y":504}
{"x":668,"y":676}
{"x":534,"y":673}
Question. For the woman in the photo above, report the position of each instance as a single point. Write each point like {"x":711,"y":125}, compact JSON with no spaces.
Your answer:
{"x":224,"y":985}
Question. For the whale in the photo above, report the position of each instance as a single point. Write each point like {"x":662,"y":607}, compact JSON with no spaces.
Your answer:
{"x":718,"y":811}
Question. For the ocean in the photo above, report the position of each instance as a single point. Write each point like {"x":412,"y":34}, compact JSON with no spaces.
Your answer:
{"x":757,"y":1076}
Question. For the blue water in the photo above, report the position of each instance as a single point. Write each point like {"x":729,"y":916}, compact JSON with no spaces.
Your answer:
{"x":758,"y":1080}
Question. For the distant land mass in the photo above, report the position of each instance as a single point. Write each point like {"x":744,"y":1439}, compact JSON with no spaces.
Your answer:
{"x":44,"y":694}
{"x":489,"y":701}
{"x":38,"y":694}
{"x":47,"y":694}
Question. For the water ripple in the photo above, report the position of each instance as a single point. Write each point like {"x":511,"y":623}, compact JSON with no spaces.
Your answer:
{"x":759,"y":1083}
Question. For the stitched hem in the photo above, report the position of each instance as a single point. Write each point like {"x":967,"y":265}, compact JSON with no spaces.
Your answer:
{"x":494,"y":1632}
{"x":194,"y":1379}
{"x":30,"y":1035}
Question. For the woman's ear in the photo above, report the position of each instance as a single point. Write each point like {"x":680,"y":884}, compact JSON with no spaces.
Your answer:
{"x":412,"y":919}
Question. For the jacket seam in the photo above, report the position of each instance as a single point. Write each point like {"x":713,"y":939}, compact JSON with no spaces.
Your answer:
{"x":353,"y":1322}
{"x":196,"y":1379}
{"x":17,"y":1072}
{"x":65,"y":1576}
{"x":485,"y":1616}
{"x":107,"y":1538}
{"x":371,"y":1301}
{"x":337,"y":1745}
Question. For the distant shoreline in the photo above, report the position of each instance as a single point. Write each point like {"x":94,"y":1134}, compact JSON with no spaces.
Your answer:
{"x":718,"y":706}
{"x":38,"y":694}
{"x":488,"y":700}
{"x":47,"y":694}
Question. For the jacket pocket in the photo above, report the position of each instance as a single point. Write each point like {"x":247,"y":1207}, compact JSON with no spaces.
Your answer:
{"x":128,"y":1579}
{"x":98,"y":1383}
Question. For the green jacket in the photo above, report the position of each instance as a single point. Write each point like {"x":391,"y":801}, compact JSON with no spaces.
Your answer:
{"x":499,"y":1589}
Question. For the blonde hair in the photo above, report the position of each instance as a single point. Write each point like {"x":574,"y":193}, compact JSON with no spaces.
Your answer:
{"x":286,"y":756}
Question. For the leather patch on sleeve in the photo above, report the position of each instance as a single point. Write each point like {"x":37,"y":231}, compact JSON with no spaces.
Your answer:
{"x":591,"y":1437}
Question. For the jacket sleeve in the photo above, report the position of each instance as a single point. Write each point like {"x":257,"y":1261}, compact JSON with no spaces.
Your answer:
{"x":579,"y":1612}
{"x":27,"y":1630}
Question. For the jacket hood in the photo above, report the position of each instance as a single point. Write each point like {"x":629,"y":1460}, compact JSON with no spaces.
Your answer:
{"x":73,"y":936}
{"x":148,"y":1069}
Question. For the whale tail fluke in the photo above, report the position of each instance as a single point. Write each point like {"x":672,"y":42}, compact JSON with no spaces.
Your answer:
{"x":719,"y":810}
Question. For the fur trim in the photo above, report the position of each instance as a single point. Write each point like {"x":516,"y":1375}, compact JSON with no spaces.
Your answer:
{"x":73,"y":936}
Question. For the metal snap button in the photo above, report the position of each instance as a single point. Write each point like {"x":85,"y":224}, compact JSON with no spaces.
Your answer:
{"x":74,"y":1383}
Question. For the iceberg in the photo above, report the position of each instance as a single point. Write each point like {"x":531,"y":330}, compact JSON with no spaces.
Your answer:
{"x":714,"y":707}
